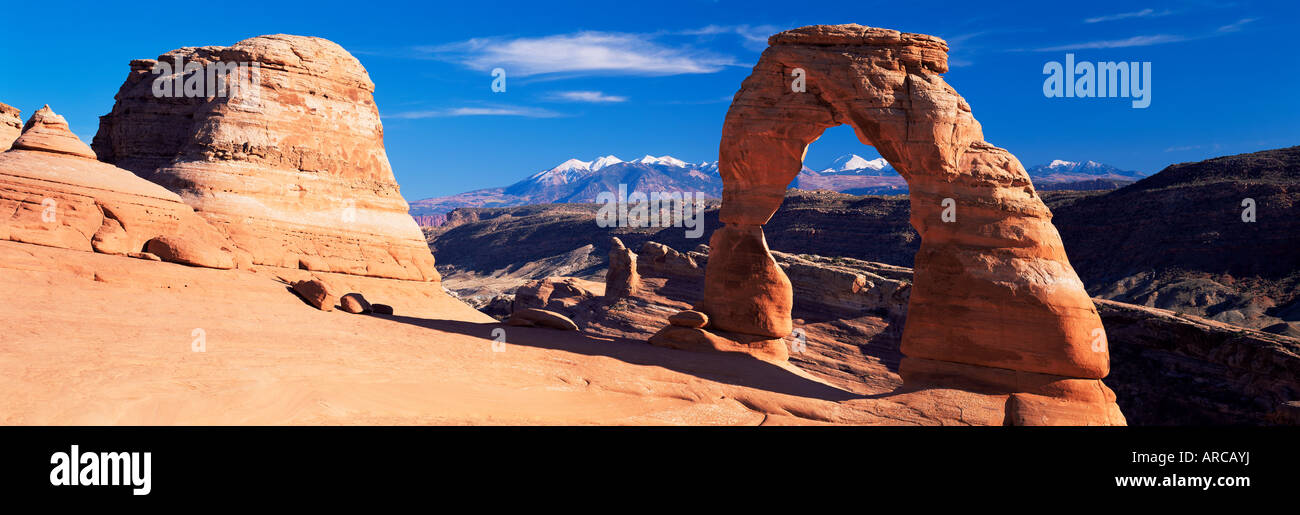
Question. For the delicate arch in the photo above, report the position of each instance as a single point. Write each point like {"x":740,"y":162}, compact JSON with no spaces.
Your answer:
{"x":994,"y":299}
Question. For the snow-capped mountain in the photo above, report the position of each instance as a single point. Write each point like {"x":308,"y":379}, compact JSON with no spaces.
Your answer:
{"x":856,"y":164}
{"x":577,"y":180}
{"x":1060,"y":171}
{"x":854,"y":174}
{"x":602,"y":162}
{"x":574,"y":169}
{"x":663,"y":160}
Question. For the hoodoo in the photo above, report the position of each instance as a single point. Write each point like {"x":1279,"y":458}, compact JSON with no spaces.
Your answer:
{"x":995,"y":306}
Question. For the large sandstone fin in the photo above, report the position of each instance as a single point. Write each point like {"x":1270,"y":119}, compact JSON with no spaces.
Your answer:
{"x":290,"y":165}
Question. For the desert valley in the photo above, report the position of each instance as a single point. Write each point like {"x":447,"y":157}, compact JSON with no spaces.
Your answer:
{"x":250,"y":260}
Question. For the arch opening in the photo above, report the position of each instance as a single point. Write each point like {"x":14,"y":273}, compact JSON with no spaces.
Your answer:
{"x":850,"y":168}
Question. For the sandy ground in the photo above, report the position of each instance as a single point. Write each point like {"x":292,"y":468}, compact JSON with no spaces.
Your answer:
{"x":97,"y":339}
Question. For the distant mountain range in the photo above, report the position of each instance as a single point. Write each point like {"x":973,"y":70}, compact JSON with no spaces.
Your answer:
{"x":1065,"y":171}
{"x":578,"y":181}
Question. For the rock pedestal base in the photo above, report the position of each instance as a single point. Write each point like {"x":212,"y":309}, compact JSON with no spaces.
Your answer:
{"x":704,"y":340}
{"x":1034,"y":399}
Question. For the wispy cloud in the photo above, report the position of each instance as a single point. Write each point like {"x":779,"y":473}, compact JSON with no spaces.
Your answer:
{"x":965,"y":47}
{"x":595,"y":97}
{"x":1148,"y":40}
{"x":1135,"y":41}
{"x":1236,"y":26}
{"x":1144,"y":13}
{"x":582,"y":53}
{"x":526,"y":112}
{"x":753,"y":37}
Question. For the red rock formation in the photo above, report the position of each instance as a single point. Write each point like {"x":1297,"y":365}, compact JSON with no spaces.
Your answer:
{"x":58,"y":195}
{"x":355,"y":303}
{"x":292,"y":168}
{"x":11,"y":125}
{"x":995,"y":303}
{"x":622,"y":279}
{"x":49,"y":132}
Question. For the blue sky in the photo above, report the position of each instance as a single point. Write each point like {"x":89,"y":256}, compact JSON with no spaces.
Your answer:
{"x":633,"y":78}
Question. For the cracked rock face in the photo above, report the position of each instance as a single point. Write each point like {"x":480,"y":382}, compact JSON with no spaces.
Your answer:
{"x":289,"y":162}
{"x":994,"y":291}
{"x":54,"y":193}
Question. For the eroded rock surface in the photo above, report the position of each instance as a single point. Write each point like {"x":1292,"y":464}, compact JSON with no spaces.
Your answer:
{"x":11,"y":125}
{"x":622,"y":279}
{"x":291,"y":167}
{"x":46,"y":131}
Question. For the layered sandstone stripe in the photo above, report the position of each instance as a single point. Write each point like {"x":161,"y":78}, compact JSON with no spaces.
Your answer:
{"x":995,"y":302}
{"x":292,"y":169}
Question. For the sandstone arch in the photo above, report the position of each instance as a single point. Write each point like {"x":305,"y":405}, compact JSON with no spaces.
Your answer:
{"x":995,"y":304}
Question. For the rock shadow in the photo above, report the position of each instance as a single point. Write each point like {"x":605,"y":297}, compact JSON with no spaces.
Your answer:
{"x":732,"y":369}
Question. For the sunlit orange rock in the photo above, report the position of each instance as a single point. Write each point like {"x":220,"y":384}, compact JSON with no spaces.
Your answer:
{"x":11,"y":125}
{"x":993,"y":289}
{"x":54,"y":193}
{"x":289,"y":162}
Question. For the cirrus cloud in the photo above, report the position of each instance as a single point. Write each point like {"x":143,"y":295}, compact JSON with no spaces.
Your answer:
{"x":497,"y":110}
{"x":595,"y":97}
{"x":582,"y":53}
{"x":1135,"y":41}
{"x":1144,"y":13}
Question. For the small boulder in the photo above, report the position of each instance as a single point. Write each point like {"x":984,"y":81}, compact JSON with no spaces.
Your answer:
{"x":355,"y":303}
{"x":316,"y":293}
{"x":550,"y":293}
{"x":657,"y":259}
{"x":542,"y":318}
{"x":696,"y":339}
{"x":499,"y":306}
{"x":689,"y":318}
{"x":148,"y":256}
{"x":519,"y":322}
{"x":381,"y":309}
{"x":190,"y":251}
